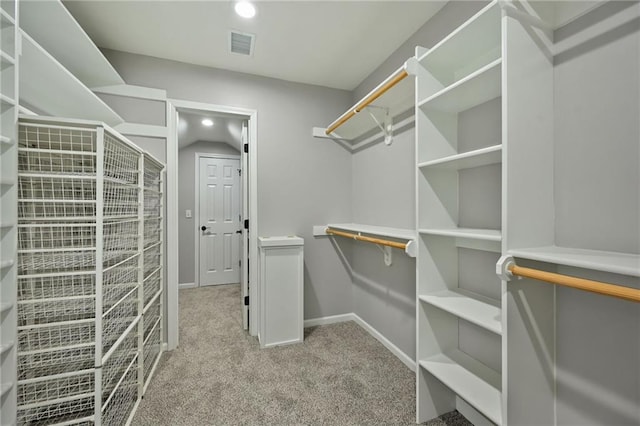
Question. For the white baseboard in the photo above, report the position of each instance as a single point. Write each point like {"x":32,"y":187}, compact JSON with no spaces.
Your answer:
{"x":333,"y":319}
{"x":186,"y":285}
{"x":406,"y":360}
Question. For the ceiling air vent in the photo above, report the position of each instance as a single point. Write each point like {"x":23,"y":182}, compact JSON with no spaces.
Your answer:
{"x":241,"y":43}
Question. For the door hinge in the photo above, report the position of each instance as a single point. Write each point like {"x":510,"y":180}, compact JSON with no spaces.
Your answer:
{"x":246,"y":301}
{"x":246,"y":224}
{"x":246,"y":148}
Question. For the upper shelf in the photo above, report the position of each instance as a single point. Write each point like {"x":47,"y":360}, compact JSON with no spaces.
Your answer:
{"x":51,"y":25}
{"x":607,"y":261}
{"x":50,"y":87}
{"x":395,"y":94}
{"x":383,"y":231}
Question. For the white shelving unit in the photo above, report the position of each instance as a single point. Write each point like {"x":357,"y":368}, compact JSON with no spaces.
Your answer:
{"x":67,"y":42}
{"x":47,"y":85}
{"x":458,"y":170}
{"x":81,"y":234}
{"x":9,"y":20}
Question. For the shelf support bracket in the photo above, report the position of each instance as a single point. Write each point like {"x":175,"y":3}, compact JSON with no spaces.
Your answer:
{"x":387,"y":253}
{"x":502,"y":267}
{"x":387,"y":123}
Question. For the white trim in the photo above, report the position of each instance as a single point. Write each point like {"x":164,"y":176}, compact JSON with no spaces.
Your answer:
{"x":334,"y":319}
{"x":406,"y":359}
{"x":130,"y":91}
{"x":196,"y":207}
{"x":133,"y":129}
{"x":183,"y":286}
{"x":173,"y":211}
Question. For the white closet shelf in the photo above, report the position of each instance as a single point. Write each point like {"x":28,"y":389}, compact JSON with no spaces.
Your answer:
{"x":6,"y":60}
{"x":6,"y":18}
{"x":478,"y":87}
{"x":48,"y":86}
{"x":5,"y":306}
{"x":6,"y":263}
{"x":383,"y":231}
{"x":6,"y":102}
{"x":471,"y":380}
{"x":5,"y":140}
{"x":473,"y":308}
{"x":607,"y":261}
{"x":5,"y":347}
{"x":472,"y":233}
{"x":67,"y":42}
{"x":4,"y":388}
{"x":479,"y":37}
{"x":467,"y":160}
{"x":398,"y":98}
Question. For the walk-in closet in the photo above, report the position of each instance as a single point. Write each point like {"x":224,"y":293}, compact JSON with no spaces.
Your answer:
{"x":457,"y":183}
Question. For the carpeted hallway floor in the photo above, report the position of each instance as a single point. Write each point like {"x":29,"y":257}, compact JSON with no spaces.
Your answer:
{"x":219,"y":375}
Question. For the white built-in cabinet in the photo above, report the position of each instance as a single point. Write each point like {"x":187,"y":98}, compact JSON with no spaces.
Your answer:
{"x":8,"y":207}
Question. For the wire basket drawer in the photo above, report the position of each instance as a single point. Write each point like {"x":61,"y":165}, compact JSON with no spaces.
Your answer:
{"x":118,"y":281}
{"x":55,"y":310}
{"x":116,"y":320}
{"x":55,"y":262}
{"x":152,"y":231}
{"x":121,"y":235}
{"x":56,"y":361}
{"x":121,"y":162}
{"x":151,"y":351}
{"x":151,"y":286}
{"x":152,"y":205}
{"x":56,"y":236}
{"x":55,"y":336}
{"x":151,"y":259}
{"x":48,"y":287}
{"x":58,"y":412}
{"x":78,"y":384}
{"x":36,"y":136}
{"x":75,"y":163}
{"x":152,"y":176}
{"x":122,"y":400}
{"x":150,"y":318}
{"x":116,"y":365}
{"x":120,"y":200}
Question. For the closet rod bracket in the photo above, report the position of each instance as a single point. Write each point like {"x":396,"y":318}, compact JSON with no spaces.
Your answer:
{"x":387,"y":253}
{"x":386,"y":126}
{"x":503,"y":267}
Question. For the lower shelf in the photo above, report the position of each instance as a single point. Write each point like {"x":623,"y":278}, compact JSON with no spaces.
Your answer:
{"x":473,"y":308}
{"x":472,"y":381}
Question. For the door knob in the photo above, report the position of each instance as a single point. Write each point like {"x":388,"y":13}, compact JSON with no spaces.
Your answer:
{"x":204,"y":228}
{"x":239,"y":231}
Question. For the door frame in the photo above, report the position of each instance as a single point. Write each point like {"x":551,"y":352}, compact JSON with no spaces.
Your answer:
{"x":196,"y":216}
{"x":173,"y":213}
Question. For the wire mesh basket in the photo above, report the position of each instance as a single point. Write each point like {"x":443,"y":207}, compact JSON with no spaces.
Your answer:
{"x":31,"y":263}
{"x":152,"y":230}
{"x":122,"y":400}
{"x":152,"y":205}
{"x":56,"y":236}
{"x":118,"y":281}
{"x":150,"y":318}
{"x":116,"y":366}
{"x":120,"y":201}
{"x":121,"y":162}
{"x":43,"y":389}
{"x":57,"y":412}
{"x":35,"y":160}
{"x":55,"y":336}
{"x":57,"y":361}
{"x":151,"y":352}
{"x":56,"y":138}
{"x":49,"y":188}
{"x":55,"y":310}
{"x":48,"y":287}
{"x":151,"y":286}
{"x":151,"y":259}
{"x":121,"y":235}
{"x":116,"y":320}
{"x":152,"y":175}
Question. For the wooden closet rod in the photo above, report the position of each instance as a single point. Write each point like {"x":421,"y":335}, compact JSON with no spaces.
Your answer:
{"x":621,"y":292}
{"x":392,"y":81}
{"x":357,"y":237}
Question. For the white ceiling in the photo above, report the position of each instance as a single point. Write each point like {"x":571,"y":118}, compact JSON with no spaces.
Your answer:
{"x":327,"y":43}
{"x":226,"y":128}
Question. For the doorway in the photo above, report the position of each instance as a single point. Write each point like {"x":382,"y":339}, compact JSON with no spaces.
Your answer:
{"x":227,"y":246}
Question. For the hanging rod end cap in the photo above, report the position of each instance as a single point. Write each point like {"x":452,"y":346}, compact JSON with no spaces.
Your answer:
{"x":502,"y":267}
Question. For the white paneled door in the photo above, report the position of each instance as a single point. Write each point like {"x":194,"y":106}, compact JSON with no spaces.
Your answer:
{"x":220,"y":227}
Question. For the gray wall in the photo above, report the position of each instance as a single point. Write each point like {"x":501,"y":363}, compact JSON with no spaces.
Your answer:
{"x":302,"y":181}
{"x":597,"y":164}
{"x":187,"y":200}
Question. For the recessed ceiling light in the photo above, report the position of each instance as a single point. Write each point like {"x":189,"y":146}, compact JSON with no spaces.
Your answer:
{"x":245,"y":9}
{"x":207,"y":122}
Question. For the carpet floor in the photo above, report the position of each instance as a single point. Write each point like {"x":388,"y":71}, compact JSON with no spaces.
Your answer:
{"x":219,"y":375}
